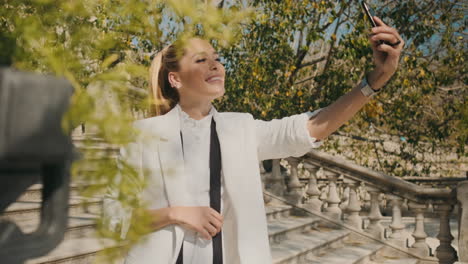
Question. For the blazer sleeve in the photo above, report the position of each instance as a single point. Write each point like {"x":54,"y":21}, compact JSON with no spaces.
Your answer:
{"x":116,"y":216}
{"x":286,"y":137}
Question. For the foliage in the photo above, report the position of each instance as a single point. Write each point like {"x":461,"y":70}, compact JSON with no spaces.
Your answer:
{"x":104,"y":49}
{"x":301,"y":55}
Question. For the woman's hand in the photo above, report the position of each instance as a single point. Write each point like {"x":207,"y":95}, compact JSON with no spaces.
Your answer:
{"x":386,"y":56}
{"x":202,"y":219}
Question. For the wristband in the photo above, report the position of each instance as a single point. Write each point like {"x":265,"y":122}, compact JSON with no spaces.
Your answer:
{"x":366,"y":90}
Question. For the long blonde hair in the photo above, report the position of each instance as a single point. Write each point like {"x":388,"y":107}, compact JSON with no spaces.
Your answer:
{"x":164,"y":97}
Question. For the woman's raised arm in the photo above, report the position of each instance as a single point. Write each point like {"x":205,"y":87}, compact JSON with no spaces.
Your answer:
{"x":386,"y":59}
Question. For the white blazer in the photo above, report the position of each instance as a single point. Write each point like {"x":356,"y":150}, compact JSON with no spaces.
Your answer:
{"x":244,"y":142}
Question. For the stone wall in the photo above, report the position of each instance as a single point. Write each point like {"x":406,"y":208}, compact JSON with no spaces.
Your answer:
{"x":392,"y":155}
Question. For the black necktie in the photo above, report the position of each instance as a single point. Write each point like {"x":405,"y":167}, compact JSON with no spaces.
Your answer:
{"x":215,"y":189}
{"x":215,"y":192}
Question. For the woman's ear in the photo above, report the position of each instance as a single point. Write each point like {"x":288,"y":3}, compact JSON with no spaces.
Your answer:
{"x":174,"y":80}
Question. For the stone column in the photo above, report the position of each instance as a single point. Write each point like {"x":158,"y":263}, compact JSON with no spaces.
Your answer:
{"x":323,"y":197}
{"x":344,"y":199}
{"x":277,"y":186}
{"x":445,"y":252}
{"x":462,"y":197}
{"x":397,"y":226}
{"x":420,"y":246}
{"x":333,"y":210}
{"x":314,"y":203}
{"x":262,"y":168}
{"x":366,"y":199}
{"x":354,"y":207}
{"x":295,"y":187}
{"x":404,"y":205}
{"x":375,"y":228}
{"x":266,"y":198}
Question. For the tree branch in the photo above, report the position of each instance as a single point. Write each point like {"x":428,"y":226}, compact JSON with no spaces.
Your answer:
{"x":332,"y":47}
{"x":221,"y":4}
{"x":305,"y":80}
{"x":446,"y":89}
{"x":301,"y":36}
{"x":312,"y":62}
{"x":324,"y":27}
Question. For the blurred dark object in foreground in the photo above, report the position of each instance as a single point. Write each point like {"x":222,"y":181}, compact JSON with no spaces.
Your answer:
{"x":33,"y":148}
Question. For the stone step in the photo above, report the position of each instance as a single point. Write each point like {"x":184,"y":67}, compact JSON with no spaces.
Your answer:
{"x":396,"y":261}
{"x":282,"y":228}
{"x":30,"y":210}
{"x":295,"y":249}
{"x":101,"y":150}
{"x":349,"y":253}
{"x":34,"y":193}
{"x":74,"y":251}
{"x":277,"y":211}
{"x":79,"y":226}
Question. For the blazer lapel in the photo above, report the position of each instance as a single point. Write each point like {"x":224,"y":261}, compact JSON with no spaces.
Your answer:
{"x":230,"y":143}
{"x":171,"y":158}
{"x":243,"y":184}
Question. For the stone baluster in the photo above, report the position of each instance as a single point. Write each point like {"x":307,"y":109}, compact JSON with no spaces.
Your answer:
{"x":340,"y":186}
{"x":361,"y":192}
{"x":397,"y":226}
{"x":462,"y":196}
{"x":383,"y":202}
{"x":404,"y":205}
{"x":333,"y":210}
{"x":344,"y":199}
{"x":354,"y":207}
{"x":420,"y":246}
{"x":262,"y":168}
{"x":277,"y":185}
{"x":295,"y":187}
{"x":430,"y":206}
{"x":266,"y":198}
{"x":445,"y":252}
{"x":323,"y":197}
{"x":313,"y":192}
{"x":375,"y":228}
{"x":366,"y":199}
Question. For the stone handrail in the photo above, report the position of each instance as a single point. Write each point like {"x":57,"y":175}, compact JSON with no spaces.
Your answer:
{"x":384,"y":182}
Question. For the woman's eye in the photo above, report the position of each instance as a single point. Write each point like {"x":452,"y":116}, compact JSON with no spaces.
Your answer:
{"x":221,"y":60}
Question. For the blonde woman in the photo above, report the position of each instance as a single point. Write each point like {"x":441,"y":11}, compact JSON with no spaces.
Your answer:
{"x":204,"y":189}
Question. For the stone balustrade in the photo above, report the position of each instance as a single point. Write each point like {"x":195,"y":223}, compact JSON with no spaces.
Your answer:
{"x":347,"y":192}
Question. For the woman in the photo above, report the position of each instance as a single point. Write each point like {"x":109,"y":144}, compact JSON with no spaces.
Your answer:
{"x":208,"y":210}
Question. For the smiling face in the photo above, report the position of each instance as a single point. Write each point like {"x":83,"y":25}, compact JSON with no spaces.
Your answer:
{"x":201,"y":75}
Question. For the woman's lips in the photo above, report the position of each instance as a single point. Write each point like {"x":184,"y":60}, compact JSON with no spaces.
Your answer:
{"x":215,"y":79}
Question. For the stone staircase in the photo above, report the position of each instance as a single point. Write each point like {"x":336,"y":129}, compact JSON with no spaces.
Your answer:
{"x":79,"y":244}
{"x":300,"y":236}
{"x":296,"y":236}
{"x":300,"y":230}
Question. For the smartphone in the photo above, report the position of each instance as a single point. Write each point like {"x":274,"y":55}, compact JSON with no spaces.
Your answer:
{"x":368,"y":13}
{"x":366,"y":9}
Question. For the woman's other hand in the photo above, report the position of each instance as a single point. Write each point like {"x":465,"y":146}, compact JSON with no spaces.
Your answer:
{"x":386,"y":56}
{"x":202,"y":219}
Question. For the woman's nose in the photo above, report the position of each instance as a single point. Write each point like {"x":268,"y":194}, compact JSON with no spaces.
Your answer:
{"x":213,"y":65}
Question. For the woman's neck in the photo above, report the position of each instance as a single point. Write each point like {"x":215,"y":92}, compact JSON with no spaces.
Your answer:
{"x":196,"y":110}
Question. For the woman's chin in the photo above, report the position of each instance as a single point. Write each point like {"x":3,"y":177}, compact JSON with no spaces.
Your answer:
{"x":217,"y":91}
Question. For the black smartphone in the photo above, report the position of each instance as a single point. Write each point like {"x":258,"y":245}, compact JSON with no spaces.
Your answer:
{"x":366,"y":9}
{"x":368,"y":13}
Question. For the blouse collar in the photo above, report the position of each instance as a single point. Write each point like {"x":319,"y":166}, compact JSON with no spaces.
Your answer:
{"x":187,"y":121}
